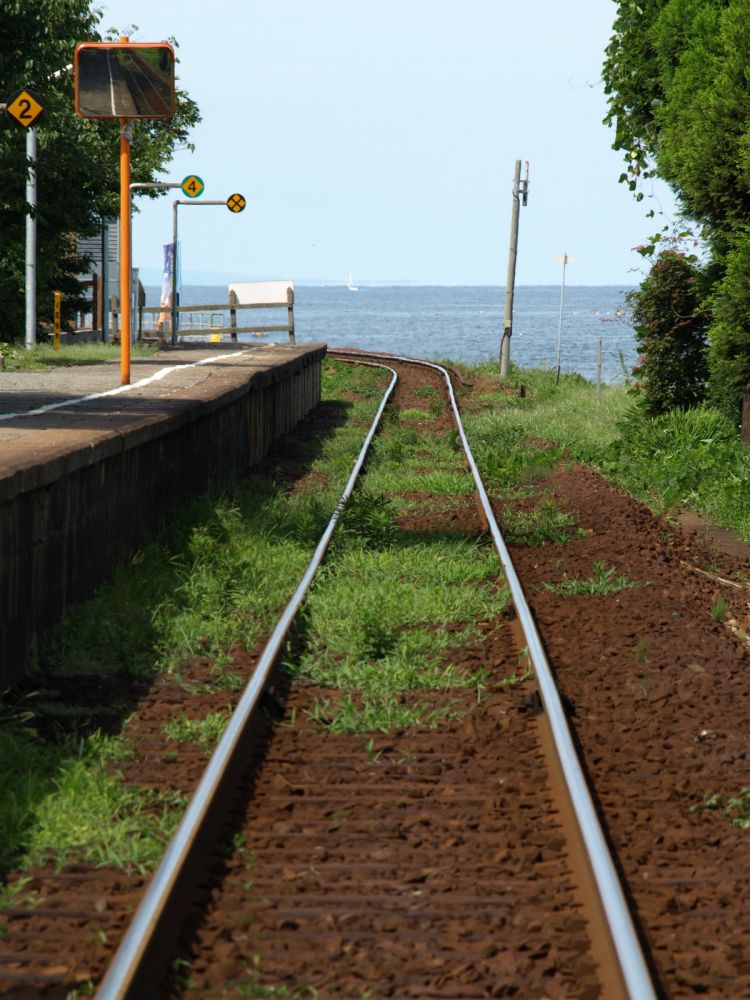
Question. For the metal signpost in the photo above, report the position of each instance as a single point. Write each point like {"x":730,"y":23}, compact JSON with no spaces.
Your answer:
{"x":235,"y":203}
{"x":563,"y":259}
{"x":192,"y":186}
{"x":56,"y":320}
{"x":26,"y":109}
{"x":124,"y":81}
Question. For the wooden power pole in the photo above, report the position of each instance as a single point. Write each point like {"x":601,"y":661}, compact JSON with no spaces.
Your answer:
{"x":520,"y":192}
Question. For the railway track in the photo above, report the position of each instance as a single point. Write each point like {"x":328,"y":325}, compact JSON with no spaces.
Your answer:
{"x":406,"y":873}
{"x":446,"y":858}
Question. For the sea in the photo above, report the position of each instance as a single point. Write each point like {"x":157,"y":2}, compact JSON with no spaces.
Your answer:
{"x":461,"y":323}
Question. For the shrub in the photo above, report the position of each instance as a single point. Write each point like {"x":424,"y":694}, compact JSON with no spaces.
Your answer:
{"x":681,"y":456}
{"x":670,"y":326}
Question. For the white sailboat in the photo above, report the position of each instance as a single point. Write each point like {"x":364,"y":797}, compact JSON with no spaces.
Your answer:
{"x":350,"y":284}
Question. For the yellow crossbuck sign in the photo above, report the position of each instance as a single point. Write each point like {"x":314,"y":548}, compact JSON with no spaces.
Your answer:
{"x":235,"y":202}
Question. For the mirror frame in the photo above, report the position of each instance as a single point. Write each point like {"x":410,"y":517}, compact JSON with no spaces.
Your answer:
{"x":108,"y":47}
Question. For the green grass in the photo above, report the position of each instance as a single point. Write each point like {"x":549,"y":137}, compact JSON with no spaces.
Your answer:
{"x":230,"y":579}
{"x":258,"y":991}
{"x":719,"y":609}
{"x":689,"y":458}
{"x":71,"y":805}
{"x":206,"y":732}
{"x":368,"y":517}
{"x":445,"y":504}
{"x":44,"y":356}
{"x":545,"y":523}
{"x":415,"y":415}
{"x":373,"y":714}
{"x":442,"y":482}
{"x":568,"y":415}
{"x":603,"y":581}
{"x":27,"y":771}
{"x":736,"y":807}
{"x":513,"y":679}
{"x":401,"y":588}
{"x":93,"y":817}
{"x":401,"y":444}
{"x":685,"y":458}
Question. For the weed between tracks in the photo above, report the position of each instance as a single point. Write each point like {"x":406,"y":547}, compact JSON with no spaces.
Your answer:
{"x":393,"y":605}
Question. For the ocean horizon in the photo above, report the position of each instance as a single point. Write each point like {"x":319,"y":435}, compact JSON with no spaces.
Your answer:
{"x":457,"y":322}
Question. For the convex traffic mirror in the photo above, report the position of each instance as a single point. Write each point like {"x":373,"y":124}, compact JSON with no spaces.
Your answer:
{"x":124,"y":80}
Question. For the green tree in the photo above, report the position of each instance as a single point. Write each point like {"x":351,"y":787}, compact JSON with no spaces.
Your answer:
{"x":670,"y":325}
{"x":676,"y":75}
{"x":633,"y":85}
{"x":78,"y":166}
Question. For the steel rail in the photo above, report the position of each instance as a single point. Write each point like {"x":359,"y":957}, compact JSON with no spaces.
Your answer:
{"x":124,"y":969}
{"x":633,"y":965}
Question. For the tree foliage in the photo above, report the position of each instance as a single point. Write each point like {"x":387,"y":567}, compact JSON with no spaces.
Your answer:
{"x":78,"y":165}
{"x":670,"y":325}
{"x":678,"y":85}
{"x":730,"y":331}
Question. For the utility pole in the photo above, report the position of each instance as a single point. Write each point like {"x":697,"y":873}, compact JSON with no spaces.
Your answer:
{"x":520,"y":192}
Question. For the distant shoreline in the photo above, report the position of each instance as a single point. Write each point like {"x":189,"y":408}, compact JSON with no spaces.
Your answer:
{"x":375,"y":287}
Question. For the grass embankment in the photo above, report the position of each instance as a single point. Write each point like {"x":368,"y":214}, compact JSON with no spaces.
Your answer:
{"x":217,"y":579}
{"x":45,"y":357}
{"x":685,"y":458}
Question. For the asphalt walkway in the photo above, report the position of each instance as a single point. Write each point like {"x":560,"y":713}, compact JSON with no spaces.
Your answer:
{"x":48,"y":414}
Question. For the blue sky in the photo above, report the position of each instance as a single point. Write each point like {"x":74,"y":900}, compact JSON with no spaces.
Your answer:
{"x":381,"y":139}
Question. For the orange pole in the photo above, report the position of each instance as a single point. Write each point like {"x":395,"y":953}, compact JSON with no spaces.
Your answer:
{"x":124,"y":255}
{"x":125,"y":270}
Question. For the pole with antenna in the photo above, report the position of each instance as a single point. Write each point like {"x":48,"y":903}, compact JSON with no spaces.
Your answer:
{"x":520,"y":194}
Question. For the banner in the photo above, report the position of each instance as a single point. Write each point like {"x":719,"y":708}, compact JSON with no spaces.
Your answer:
{"x":166,"y":287}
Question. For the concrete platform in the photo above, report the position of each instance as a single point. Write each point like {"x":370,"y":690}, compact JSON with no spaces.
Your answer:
{"x":89,"y":468}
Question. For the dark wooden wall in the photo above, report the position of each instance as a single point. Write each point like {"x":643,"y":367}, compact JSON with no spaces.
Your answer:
{"x":66,"y":534}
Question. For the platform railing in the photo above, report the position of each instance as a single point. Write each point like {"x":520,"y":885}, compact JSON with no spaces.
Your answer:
{"x":161,"y":325}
